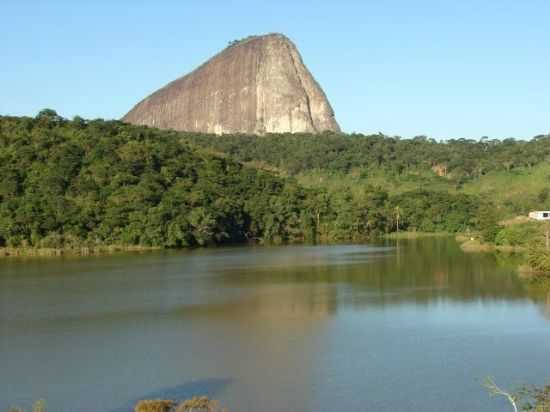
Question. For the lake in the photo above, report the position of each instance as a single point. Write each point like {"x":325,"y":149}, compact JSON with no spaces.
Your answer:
{"x":408,"y":325}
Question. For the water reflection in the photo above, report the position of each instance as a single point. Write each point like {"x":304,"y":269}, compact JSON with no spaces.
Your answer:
{"x":308,"y":328}
{"x":416,"y":271}
{"x":539,"y":291}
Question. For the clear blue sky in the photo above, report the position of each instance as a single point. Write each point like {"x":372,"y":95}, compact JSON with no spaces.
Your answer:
{"x":459,"y":68}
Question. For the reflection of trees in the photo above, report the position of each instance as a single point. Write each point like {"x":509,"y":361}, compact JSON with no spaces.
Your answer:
{"x":546,"y":305}
{"x":426,"y":270}
{"x":539,"y":291}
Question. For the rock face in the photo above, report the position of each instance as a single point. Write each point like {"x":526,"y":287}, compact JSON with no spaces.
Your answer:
{"x":257,"y":85}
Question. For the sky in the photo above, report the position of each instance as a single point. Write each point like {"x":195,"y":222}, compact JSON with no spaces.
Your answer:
{"x":445,"y":69}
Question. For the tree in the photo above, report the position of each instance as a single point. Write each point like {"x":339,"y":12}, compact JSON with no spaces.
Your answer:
{"x":488,"y":223}
{"x":397,"y":217}
{"x":526,"y":399}
{"x":48,"y":115}
{"x":538,"y":252}
{"x":494,"y":390}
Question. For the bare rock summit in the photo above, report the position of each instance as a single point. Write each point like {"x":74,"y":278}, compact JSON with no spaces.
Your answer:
{"x":256,"y":85}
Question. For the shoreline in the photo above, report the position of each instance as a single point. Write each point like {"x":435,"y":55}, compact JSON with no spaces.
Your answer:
{"x":414,"y":235}
{"x":466,"y":243}
{"x":523,"y":270}
{"x":474,"y":245}
{"x":30,"y":252}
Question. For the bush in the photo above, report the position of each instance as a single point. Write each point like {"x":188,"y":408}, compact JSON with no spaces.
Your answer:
{"x":38,"y":406}
{"x":195,"y":404}
{"x":516,"y":235}
{"x":538,"y":257}
{"x":488,"y":223}
{"x":157,"y":405}
{"x":199,"y":404}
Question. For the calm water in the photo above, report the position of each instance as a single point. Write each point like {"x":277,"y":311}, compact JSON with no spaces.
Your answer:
{"x":298,"y":328}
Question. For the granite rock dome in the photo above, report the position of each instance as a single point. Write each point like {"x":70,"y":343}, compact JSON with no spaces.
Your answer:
{"x":256,"y":85}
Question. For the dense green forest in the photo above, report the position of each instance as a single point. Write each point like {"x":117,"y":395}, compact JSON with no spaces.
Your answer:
{"x":72,"y":183}
{"x":505,"y":178}
{"x":514,"y":174}
{"x":459,"y":159}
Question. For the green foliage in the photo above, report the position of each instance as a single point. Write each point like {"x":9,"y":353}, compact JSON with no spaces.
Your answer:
{"x":516,"y":192}
{"x":430,"y":211}
{"x":154,"y":405}
{"x":511,"y":173}
{"x":464,"y":160}
{"x":538,"y":253}
{"x":517,"y":235}
{"x":89,"y":183}
{"x":527,"y":399}
{"x":488,"y":223}
{"x":199,"y":404}
{"x":93,"y":183}
{"x":536,"y":399}
{"x":38,"y":406}
{"x":195,"y":404}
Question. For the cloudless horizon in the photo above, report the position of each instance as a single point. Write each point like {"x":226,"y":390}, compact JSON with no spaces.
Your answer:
{"x":444,"y":69}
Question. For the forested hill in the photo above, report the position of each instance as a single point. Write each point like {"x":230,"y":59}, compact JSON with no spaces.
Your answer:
{"x":512,"y":174}
{"x":94,"y":182}
{"x":73,"y":183}
{"x":459,"y":159}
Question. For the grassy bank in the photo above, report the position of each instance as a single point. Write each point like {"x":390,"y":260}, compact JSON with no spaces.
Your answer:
{"x":534,"y":260}
{"x":415,"y":235}
{"x":8,"y":252}
{"x":30,"y":252}
{"x":474,"y":244}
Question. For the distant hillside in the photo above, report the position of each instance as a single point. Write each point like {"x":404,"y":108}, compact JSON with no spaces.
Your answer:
{"x":459,"y":159}
{"x":513,"y":173}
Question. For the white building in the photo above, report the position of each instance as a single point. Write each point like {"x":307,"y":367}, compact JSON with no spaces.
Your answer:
{"x":540,"y":215}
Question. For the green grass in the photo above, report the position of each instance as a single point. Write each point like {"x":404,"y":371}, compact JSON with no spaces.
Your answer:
{"x":358,"y":179}
{"x":6,"y":252}
{"x":516,"y":191}
{"x":415,"y":235}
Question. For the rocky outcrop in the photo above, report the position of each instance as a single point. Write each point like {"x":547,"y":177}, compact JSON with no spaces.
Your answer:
{"x":257,"y":85}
